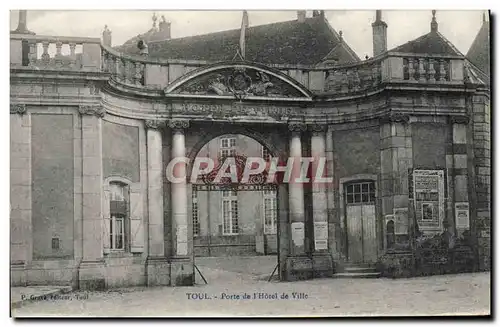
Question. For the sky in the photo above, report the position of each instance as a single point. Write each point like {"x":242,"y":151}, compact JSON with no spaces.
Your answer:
{"x":460,"y":27}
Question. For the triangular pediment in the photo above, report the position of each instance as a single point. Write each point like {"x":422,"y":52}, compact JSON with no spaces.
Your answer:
{"x":240,"y":81}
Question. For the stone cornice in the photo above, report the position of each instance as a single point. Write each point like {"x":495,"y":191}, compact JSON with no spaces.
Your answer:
{"x":95,"y":110}
{"x":178,"y":124}
{"x":18,"y":108}
{"x":395,"y":117}
{"x":459,"y":119}
{"x":154,"y":123}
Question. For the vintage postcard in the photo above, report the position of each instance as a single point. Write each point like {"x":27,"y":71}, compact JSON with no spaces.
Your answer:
{"x":319,"y":163}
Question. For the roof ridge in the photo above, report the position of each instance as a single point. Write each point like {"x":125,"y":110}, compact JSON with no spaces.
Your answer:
{"x":235,"y":29}
{"x":339,"y":40}
{"x":450,"y":44}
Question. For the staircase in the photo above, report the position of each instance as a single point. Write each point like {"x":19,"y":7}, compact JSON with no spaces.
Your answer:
{"x":357,"y":270}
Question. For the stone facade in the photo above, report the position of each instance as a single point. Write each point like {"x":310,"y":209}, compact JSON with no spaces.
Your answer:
{"x":406,"y":137}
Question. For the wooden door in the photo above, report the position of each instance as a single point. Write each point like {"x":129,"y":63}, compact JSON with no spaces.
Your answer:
{"x":361,"y":222}
{"x":354,"y":233}
{"x":369,"y":233}
{"x":361,"y":233}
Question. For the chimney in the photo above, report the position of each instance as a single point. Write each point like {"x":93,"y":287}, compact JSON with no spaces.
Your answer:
{"x":301,"y":16}
{"x":379,"y":34}
{"x":164,"y":31}
{"x":22,"y":25}
{"x":106,"y":36}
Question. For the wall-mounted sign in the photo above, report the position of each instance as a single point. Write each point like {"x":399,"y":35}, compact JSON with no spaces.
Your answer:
{"x":320,"y":235}
{"x":462,"y":215}
{"x":428,"y":193}
{"x":298,"y":233}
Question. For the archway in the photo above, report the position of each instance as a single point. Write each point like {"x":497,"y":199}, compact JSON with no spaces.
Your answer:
{"x":235,"y":226}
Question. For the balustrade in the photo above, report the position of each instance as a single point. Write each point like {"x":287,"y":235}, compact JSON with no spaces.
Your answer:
{"x":73,"y":53}
{"x":426,"y":69}
{"x":48,"y":52}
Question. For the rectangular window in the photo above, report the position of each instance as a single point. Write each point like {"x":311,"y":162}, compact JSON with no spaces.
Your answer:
{"x":119,"y":214}
{"x":230,"y":212}
{"x":270,"y":212}
{"x":227,"y":147}
{"x":117,"y":232}
{"x":266,"y":155}
{"x":196,"y":222}
{"x":363,"y":192}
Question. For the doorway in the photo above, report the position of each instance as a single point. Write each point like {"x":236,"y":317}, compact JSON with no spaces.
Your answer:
{"x":361,"y":222}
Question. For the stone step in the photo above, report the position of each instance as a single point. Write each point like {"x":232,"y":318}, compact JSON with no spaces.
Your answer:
{"x":357,"y":275}
{"x":359,"y":270}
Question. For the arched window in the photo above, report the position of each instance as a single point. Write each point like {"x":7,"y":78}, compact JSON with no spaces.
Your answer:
{"x":119,"y":216}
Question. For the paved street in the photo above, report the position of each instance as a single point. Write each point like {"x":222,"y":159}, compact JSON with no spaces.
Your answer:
{"x":230,"y":278}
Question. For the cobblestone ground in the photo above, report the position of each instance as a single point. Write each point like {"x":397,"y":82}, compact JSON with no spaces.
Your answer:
{"x":231,"y":277}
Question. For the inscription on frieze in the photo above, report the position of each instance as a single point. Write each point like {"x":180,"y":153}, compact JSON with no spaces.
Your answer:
{"x":219,"y":110}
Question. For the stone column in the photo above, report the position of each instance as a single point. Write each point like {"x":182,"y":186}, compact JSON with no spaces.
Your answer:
{"x":182,"y":269}
{"x":92,"y":273}
{"x":396,"y":158}
{"x":157,"y":265}
{"x":298,"y":265}
{"x":459,"y":175}
{"x":322,"y":260}
{"x":334,"y":227}
{"x":20,"y":193}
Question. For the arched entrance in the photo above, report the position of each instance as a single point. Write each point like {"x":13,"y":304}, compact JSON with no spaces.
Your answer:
{"x":234,"y":222}
{"x":269,"y":107}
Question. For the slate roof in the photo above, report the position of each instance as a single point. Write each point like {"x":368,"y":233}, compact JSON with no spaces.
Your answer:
{"x":341,"y":54}
{"x":430,"y":43}
{"x":289,"y":42}
{"x":479,"y":52}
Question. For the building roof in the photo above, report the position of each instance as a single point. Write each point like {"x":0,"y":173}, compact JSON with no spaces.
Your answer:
{"x":479,"y":52}
{"x":430,"y":43}
{"x":289,"y":42}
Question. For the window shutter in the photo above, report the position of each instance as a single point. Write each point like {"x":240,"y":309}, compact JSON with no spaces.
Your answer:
{"x":136,"y":222}
{"x":106,"y":221}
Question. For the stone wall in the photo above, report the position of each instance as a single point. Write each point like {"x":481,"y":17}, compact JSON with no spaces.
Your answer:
{"x":120,"y":147}
{"x":53,"y":177}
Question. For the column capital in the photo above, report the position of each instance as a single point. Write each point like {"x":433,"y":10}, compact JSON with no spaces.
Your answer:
{"x":459,"y":119}
{"x":154,"y":123}
{"x":18,"y":108}
{"x":93,"y":110}
{"x":297,"y":127}
{"x":395,"y":117}
{"x":317,"y":128}
{"x":178,"y":124}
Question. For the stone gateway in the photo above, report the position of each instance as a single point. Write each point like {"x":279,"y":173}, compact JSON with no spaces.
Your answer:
{"x":405,"y":136}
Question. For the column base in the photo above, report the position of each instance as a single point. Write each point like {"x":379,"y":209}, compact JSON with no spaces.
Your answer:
{"x":322,"y":265}
{"x":181,"y":271}
{"x":298,"y":268}
{"x":91,"y":276}
{"x":17,"y":274}
{"x":157,"y":271}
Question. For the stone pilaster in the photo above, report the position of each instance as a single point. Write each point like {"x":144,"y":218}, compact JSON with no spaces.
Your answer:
{"x":157,"y":264}
{"x":92,"y":274}
{"x":20,"y":193}
{"x":322,"y":260}
{"x":396,"y":160}
{"x":459,"y":171}
{"x":481,"y":175}
{"x":298,"y":265}
{"x":182,"y":269}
